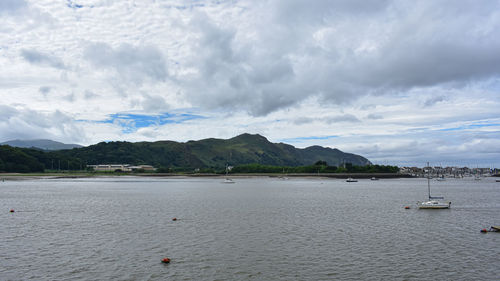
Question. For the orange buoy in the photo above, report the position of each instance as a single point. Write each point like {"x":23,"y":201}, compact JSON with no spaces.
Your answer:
{"x":174,"y":219}
{"x":12,"y":210}
{"x":484,"y":230}
{"x":165,"y":260}
{"x":407,"y":207}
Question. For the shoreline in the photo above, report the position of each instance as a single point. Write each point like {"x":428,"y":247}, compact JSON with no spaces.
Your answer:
{"x":35,"y":176}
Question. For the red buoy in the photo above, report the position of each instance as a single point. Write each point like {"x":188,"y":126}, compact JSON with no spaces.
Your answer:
{"x":12,"y":210}
{"x":165,"y":260}
{"x":407,"y":207}
{"x":484,"y":230}
{"x":174,"y":219}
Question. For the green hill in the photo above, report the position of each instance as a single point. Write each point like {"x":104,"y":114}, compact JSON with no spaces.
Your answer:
{"x":243,"y":149}
{"x":206,"y":153}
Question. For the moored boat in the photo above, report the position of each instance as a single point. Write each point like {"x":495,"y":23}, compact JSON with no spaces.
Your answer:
{"x":434,"y":202}
{"x":228,"y":180}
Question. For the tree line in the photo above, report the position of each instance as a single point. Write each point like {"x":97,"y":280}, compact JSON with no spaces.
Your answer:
{"x":29,"y":160}
{"x":318,"y":167}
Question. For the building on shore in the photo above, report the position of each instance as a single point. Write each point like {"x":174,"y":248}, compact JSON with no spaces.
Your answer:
{"x":121,"y":168}
{"x":437,"y":171}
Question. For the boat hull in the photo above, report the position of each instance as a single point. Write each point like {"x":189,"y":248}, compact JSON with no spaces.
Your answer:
{"x":434,"y":205}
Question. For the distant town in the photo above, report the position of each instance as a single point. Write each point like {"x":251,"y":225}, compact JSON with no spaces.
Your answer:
{"x":448,"y":172}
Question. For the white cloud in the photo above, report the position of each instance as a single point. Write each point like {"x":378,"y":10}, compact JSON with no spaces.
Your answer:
{"x":133,"y":64}
{"x":23,"y":123}
{"x":388,"y":79}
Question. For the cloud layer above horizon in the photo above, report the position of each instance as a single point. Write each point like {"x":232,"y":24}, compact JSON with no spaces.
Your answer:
{"x":397,"y":82}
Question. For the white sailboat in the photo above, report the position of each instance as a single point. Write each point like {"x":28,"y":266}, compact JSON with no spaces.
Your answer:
{"x":435,"y":202}
{"x":227,"y":180}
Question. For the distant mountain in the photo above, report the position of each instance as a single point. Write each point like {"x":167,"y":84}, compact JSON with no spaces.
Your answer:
{"x":243,"y":149}
{"x":40,"y":144}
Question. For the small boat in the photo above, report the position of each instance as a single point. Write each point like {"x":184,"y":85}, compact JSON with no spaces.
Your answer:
{"x":441,"y":178}
{"x":434,"y":201}
{"x":351,"y":180}
{"x":497,"y":180}
{"x":495,"y":229}
{"x":374,"y":179}
{"x":434,"y":204}
{"x":228,"y":180}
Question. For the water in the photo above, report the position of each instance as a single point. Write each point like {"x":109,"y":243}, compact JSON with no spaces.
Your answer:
{"x":255,"y":229}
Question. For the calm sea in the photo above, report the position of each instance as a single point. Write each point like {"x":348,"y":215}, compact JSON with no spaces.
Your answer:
{"x":254,"y":229}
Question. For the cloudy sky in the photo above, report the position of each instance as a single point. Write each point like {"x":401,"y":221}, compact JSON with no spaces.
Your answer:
{"x":399,"y":82}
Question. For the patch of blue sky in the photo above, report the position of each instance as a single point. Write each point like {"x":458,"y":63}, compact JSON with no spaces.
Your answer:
{"x":73,"y":5}
{"x":303,"y":139}
{"x":471,"y":126}
{"x":131,"y":122}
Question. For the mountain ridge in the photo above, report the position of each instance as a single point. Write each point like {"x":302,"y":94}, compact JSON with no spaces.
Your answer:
{"x":212,"y":152}
{"x":44,"y":144}
{"x":208,"y":153}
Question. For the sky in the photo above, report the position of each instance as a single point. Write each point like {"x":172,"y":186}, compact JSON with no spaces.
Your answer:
{"x":398,"y":82}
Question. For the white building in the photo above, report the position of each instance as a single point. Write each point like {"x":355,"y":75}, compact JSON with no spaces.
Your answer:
{"x":120,"y":167}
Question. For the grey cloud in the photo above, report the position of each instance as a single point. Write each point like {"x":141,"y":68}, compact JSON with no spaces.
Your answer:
{"x":69,"y":97}
{"x":132,"y":63}
{"x":374,"y":116}
{"x":346,"y":118}
{"x":303,"y":11}
{"x":45,"y":90}
{"x":38,"y":58}
{"x":154,"y":104}
{"x":339,"y":51}
{"x":431,"y":146}
{"x":432,"y":101}
{"x":303,"y":120}
{"x":270,"y":71}
{"x":448,"y":43}
{"x":11,"y":6}
{"x":342,"y":118}
{"x":232,"y":75}
{"x":6,"y":112}
{"x":90,"y":95}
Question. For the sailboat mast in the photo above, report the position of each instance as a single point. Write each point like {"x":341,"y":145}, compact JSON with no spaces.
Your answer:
{"x":428,"y":180}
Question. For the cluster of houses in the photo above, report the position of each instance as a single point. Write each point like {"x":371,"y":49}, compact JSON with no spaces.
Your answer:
{"x":121,"y":168}
{"x":458,"y":172}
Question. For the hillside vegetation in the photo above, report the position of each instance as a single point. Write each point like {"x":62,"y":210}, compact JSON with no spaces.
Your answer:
{"x":169,"y":155}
